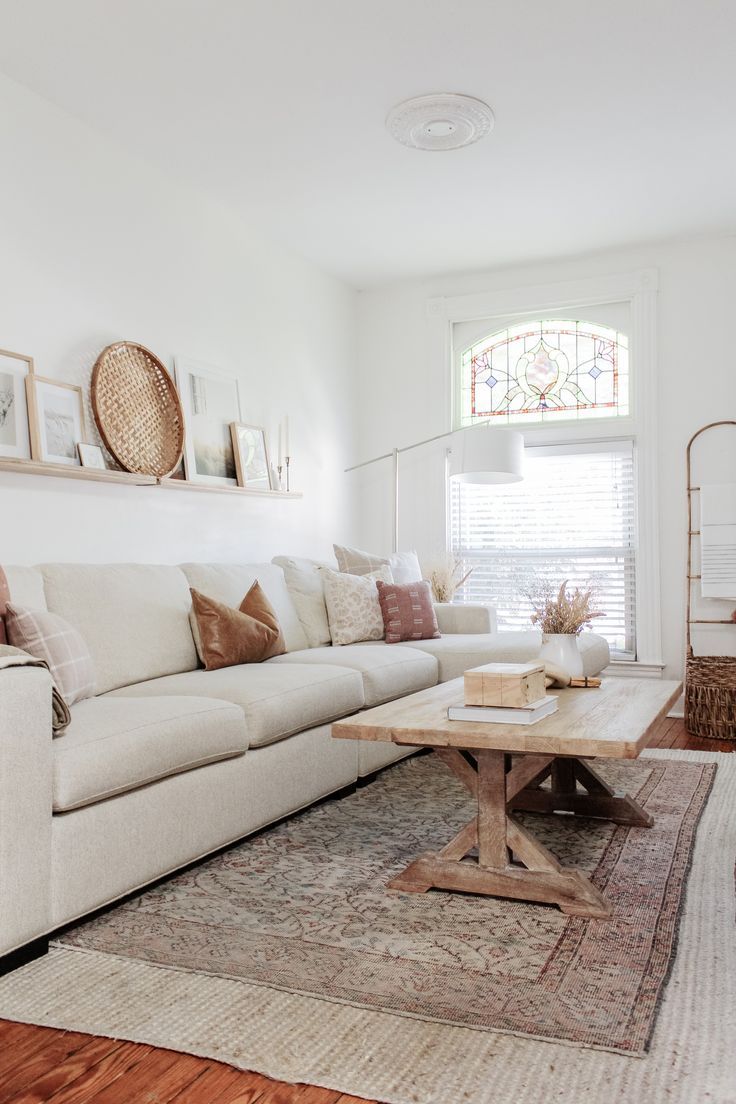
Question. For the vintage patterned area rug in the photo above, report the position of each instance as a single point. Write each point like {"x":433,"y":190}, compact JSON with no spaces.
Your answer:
{"x":303,"y":908}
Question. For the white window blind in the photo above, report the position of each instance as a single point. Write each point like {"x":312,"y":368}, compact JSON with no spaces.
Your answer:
{"x":573,"y":517}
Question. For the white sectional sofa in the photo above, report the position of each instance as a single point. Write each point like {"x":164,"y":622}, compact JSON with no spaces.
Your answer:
{"x":170,"y":762}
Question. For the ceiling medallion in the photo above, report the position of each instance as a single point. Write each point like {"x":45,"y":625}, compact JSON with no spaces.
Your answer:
{"x":443,"y":121}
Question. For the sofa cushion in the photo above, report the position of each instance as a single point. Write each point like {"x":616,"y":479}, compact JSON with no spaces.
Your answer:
{"x":595,"y":652}
{"x":228,"y":583}
{"x":388,"y":671}
{"x":134,"y":618}
{"x":457,"y":653}
{"x":277,"y":700}
{"x":116,"y":744}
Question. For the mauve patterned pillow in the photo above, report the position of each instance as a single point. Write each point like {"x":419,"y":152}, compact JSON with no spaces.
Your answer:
{"x":408,"y":612}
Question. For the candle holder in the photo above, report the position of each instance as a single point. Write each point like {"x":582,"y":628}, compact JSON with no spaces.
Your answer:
{"x":279,"y":470}
{"x":288,"y":461}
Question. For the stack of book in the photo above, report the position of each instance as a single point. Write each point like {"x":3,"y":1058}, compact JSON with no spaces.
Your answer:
{"x":505,"y":693}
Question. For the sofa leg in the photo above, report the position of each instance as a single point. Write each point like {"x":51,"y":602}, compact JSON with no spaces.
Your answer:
{"x":23,"y":955}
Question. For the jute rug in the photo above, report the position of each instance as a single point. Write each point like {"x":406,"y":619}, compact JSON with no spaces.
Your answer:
{"x":407,"y":1060}
{"x":305,"y":908}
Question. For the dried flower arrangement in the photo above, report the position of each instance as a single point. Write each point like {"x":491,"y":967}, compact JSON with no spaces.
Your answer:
{"x":562,"y":612}
{"x":446,"y":578}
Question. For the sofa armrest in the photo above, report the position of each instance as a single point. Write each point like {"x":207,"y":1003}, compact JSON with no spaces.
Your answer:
{"x":456,"y":618}
{"x":25,"y":805}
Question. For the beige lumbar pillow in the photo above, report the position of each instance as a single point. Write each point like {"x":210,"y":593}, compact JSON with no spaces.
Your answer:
{"x":404,"y":566}
{"x":353,"y":608}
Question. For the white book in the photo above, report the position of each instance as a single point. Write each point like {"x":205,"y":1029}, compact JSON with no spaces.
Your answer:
{"x":491,"y":714}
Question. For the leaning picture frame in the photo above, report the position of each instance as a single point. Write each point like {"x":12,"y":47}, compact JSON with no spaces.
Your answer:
{"x":56,"y":418}
{"x":91,"y":456}
{"x":210,"y":399}
{"x":251,"y":456}
{"x":15,"y":438}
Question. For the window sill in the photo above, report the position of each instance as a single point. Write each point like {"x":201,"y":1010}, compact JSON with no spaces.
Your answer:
{"x":631,"y":668}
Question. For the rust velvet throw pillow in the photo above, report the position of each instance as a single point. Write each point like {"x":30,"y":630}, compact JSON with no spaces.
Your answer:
{"x":408,"y":612}
{"x":228,"y":637}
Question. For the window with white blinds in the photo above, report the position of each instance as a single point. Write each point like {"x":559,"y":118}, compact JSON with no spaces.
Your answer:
{"x":573,"y":517}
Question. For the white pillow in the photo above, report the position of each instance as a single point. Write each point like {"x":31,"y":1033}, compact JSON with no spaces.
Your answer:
{"x":308,"y":595}
{"x":404,"y":565}
{"x":353,"y":608}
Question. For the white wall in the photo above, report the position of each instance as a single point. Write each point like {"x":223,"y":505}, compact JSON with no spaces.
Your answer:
{"x":96,"y":246}
{"x":403,"y":396}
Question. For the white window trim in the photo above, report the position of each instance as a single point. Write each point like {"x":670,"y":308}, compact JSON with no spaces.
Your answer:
{"x":639,"y":289}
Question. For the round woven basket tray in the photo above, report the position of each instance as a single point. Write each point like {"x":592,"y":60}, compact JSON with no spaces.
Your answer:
{"x":137,"y":409}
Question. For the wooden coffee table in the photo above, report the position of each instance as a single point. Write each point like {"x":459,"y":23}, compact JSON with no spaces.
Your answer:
{"x":503,"y":767}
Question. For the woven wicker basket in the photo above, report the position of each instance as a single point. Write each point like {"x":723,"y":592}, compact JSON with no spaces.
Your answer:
{"x":710,"y":697}
{"x":137,"y":409}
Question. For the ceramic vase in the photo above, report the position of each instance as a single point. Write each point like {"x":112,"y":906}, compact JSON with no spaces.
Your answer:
{"x":562,"y":650}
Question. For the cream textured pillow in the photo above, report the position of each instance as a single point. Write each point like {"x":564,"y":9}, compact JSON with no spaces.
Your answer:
{"x":404,"y":565}
{"x":353,"y":608}
{"x":308,"y":595}
{"x":49,"y":637}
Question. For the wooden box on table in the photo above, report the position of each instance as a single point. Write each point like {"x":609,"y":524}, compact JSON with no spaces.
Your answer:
{"x":512,"y":685}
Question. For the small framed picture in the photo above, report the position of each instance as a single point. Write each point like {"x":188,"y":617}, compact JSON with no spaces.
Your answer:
{"x":90,"y":456}
{"x":56,"y":416}
{"x":251,"y":456}
{"x":15,"y":441}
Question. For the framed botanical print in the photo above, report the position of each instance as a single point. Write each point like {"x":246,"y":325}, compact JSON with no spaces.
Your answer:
{"x":251,"y":456}
{"x":56,"y":416}
{"x":210,"y":399}
{"x":15,"y":441}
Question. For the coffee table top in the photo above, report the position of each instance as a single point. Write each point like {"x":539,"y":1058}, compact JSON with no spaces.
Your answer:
{"x":616,"y":720}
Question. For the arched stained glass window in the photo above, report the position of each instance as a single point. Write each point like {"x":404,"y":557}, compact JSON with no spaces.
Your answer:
{"x":545,"y":371}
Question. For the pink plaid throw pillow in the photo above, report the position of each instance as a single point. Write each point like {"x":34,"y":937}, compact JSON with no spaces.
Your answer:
{"x":49,"y":637}
{"x":408,"y":612}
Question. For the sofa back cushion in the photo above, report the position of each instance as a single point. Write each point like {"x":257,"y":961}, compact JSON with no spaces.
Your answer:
{"x":229,"y":584}
{"x":134,"y":618}
{"x":26,"y":586}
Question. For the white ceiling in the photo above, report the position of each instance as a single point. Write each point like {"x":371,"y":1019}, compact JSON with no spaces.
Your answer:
{"x":614,"y":120}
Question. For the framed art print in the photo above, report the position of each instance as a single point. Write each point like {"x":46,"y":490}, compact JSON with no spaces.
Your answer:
{"x":251,"y":456}
{"x":15,"y":441}
{"x":56,"y":415}
{"x":91,"y":456}
{"x":210,"y":399}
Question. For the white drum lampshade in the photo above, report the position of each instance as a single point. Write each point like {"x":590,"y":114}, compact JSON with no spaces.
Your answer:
{"x":484,"y":454}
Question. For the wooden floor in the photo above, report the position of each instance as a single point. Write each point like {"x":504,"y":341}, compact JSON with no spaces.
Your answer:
{"x":39,"y":1064}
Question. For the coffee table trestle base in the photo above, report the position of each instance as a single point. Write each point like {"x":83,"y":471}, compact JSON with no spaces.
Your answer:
{"x":505,"y":767}
{"x":510,"y":861}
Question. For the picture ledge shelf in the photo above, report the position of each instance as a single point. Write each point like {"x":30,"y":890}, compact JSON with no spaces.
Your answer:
{"x":69,"y":471}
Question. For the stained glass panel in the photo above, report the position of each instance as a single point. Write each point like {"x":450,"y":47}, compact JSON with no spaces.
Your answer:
{"x":542,"y":370}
